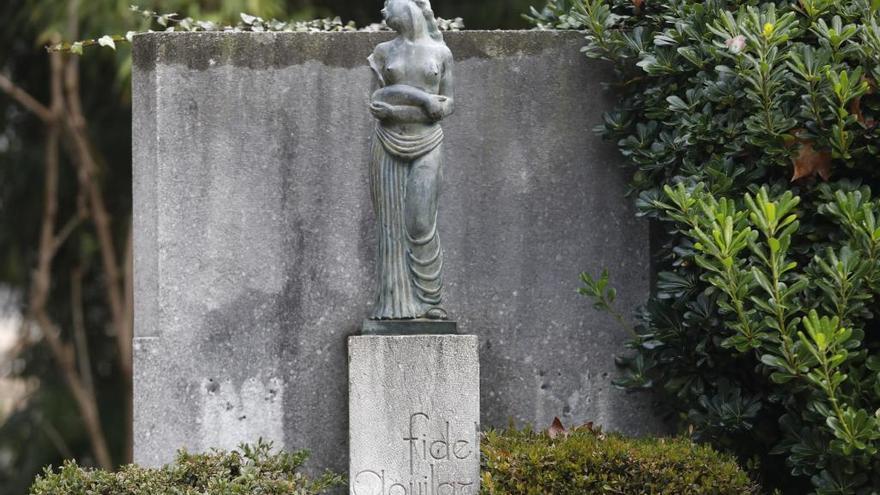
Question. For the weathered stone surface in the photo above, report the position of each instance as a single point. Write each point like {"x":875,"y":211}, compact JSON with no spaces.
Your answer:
{"x":414,"y":414}
{"x":255,"y":241}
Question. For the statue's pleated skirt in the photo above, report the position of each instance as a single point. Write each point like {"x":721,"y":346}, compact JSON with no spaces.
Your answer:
{"x":408,"y":271}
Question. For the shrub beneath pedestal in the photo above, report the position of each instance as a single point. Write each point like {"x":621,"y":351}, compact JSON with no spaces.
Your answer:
{"x":579,"y":462}
{"x":251,"y":470}
{"x":586,"y":462}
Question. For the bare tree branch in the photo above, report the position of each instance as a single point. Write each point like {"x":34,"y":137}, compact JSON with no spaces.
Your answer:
{"x":55,"y":437}
{"x":25,"y":99}
{"x":65,"y":115}
{"x":65,"y":232}
{"x":79,"y":330}
{"x":84,"y":156}
{"x":78,"y":379}
{"x":86,"y":402}
{"x":62,"y":352}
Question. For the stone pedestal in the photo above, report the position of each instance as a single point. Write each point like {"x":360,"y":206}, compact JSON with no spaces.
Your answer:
{"x":414,"y":409}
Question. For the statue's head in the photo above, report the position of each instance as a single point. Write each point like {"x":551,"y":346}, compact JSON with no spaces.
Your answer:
{"x":412,"y":15}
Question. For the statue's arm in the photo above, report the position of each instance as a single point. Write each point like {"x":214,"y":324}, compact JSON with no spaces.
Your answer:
{"x":436,"y":107}
{"x":377,"y":61}
{"x":409,"y":104}
{"x":447,"y":87}
{"x":402,"y":94}
{"x":410,"y":114}
{"x":401,"y":114}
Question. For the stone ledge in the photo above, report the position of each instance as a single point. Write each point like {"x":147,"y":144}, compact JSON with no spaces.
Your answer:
{"x":204,"y":50}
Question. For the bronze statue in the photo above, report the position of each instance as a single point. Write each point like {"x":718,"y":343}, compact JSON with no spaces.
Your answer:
{"x":414,"y":72}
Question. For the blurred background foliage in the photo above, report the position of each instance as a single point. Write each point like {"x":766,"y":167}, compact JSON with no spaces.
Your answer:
{"x":40,"y":421}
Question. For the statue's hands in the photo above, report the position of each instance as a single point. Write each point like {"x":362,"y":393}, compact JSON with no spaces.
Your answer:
{"x":433,"y":109}
{"x":436,"y":106}
{"x":381,"y":110}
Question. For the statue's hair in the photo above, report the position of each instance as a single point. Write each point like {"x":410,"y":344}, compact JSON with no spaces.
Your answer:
{"x":430,"y":20}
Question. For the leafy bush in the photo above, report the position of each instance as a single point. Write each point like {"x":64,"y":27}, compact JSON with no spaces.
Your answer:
{"x":760,"y":335}
{"x":585,"y":462}
{"x":253,"y":469}
{"x":822,"y":370}
{"x":735,"y":92}
{"x":581,"y":461}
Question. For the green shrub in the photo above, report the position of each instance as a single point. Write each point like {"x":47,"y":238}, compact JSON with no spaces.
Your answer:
{"x":585,"y":462}
{"x":800,"y":324}
{"x":582,"y":461}
{"x":720,"y":98}
{"x":252,"y":469}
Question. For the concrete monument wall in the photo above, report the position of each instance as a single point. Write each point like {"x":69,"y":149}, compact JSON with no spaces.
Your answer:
{"x":255,"y":242}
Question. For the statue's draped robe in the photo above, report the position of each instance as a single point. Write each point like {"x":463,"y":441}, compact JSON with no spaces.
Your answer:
{"x":409,"y":264}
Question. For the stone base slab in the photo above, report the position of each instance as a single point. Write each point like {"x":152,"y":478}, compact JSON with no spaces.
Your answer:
{"x":414,"y":412}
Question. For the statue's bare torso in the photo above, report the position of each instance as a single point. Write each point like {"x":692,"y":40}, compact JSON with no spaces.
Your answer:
{"x":416,"y":75}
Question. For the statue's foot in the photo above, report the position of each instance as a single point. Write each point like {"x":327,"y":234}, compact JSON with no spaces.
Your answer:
{"x":437,"y":314}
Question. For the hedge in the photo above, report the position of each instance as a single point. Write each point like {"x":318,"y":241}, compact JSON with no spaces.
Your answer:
{"x":583,"y":461}
{"x":250,"y":470}
{"x":587,"y":462}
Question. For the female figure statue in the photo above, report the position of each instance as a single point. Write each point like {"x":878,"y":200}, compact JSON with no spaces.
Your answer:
{"x":414,"y":72}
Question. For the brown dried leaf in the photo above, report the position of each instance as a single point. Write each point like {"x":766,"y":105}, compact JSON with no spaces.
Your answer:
{"x":793,"y":138}
{"x":809,"y":162}
{"x":591,"y":428}
{"x":638,"y":4}
{"x":588,"y":426}
{"x":556,"y":429}
{"x":855,"y":108}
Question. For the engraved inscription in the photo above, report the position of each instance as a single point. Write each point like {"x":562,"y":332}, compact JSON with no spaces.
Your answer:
{"x":432,"y":453}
